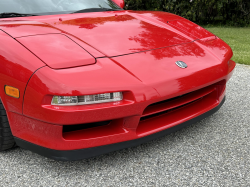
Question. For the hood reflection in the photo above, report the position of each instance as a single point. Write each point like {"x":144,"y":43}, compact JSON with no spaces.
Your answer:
{"x":151,"y":38}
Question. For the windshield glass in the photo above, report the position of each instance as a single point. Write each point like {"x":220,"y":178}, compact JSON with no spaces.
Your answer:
{"x":53,"y":6}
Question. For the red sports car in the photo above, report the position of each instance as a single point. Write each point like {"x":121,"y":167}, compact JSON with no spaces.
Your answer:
{"x":80,"y":78}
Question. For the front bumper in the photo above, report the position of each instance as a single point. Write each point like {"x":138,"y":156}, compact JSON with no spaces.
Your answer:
{"x":95,"y":151}
{"x":151,"y":117}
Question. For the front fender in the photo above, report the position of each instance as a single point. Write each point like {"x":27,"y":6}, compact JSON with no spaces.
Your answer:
{"x":17,"y":64}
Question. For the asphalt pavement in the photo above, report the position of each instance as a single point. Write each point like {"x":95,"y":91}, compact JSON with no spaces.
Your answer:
{"x":212,"y":152}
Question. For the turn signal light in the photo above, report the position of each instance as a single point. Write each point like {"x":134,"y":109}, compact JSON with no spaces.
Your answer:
{"x":11,"y":91}
{"x":87,"y":99}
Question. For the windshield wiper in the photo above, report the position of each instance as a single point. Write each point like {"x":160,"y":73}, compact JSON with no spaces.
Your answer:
{"x":14,"y":14}
{"x":95,"y":10}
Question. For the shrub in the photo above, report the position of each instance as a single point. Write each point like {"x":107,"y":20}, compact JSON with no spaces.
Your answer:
{"x":226,"y":12}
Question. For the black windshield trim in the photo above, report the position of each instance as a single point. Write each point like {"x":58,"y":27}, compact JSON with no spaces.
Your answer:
{"x":14,"y":14}
{"x":96,"y":10}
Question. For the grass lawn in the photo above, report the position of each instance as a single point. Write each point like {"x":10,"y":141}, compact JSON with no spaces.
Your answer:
{"x":238,"y":39}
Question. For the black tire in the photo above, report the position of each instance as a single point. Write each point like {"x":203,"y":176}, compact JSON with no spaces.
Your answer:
{"x":6,"y":138}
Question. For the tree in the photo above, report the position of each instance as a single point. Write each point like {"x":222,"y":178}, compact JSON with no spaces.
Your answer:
{"x":225,"y":12}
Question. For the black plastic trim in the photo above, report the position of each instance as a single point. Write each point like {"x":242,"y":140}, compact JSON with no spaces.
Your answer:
{"x":95,"y":151}
{"x":70,"y":128}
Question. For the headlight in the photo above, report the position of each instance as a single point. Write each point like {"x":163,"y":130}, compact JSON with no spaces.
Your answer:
{"x":87,"y":99}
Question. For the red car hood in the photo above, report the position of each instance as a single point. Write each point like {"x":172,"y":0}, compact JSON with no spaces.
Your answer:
{"x":107,"y":33}
{"x":116,"y":34}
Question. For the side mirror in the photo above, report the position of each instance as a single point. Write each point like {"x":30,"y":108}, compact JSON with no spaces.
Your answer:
{"x":120,"y":3}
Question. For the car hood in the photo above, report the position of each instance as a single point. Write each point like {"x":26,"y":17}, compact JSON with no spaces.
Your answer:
{"x":118,"y":34}
{"x":112,"y":33}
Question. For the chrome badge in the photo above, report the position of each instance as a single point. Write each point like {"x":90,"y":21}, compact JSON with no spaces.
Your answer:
{"x":181,"y":64}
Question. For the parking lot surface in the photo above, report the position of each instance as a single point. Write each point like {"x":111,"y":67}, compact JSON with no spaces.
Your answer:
{"x":212,"y":152}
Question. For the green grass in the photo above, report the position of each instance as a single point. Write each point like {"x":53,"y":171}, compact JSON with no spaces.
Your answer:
{"x":238,"y":39}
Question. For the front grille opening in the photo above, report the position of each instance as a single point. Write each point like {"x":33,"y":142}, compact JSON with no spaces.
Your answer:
{"x":94,"y":130}
{"x":168,"y":100}
{"x":71,"y":128}
{"x":174,"y":103}
{"x":168,"y":113}
{"x":165,"y":112}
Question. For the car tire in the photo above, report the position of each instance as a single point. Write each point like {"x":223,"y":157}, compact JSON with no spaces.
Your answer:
{"x":6,"y":138}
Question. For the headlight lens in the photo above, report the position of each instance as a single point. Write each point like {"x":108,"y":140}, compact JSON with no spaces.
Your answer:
{"x":87,"y":99}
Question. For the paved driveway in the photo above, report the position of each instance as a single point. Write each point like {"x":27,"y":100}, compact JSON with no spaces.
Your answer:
{"x":213,"y":152}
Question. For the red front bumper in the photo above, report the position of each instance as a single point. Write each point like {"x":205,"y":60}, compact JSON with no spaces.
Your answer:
{"x":155,"y":117}
{"x":95,"y":151}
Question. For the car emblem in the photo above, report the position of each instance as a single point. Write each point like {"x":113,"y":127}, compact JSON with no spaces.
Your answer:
{"x":181,"y":64}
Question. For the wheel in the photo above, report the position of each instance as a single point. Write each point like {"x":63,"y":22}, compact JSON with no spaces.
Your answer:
{"x":6,"y":137}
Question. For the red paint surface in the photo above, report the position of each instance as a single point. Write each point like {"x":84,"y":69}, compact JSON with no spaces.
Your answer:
{"x":120,"y":3}
{"x":17,"y":65}
{"x":117,"y":51}
{"x":57,"y":51}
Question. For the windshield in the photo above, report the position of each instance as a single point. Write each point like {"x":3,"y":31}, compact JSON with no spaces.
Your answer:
{"x":45,"y":7}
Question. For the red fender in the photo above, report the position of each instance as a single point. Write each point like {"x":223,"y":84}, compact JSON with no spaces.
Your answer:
{"x":120,"y":3}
